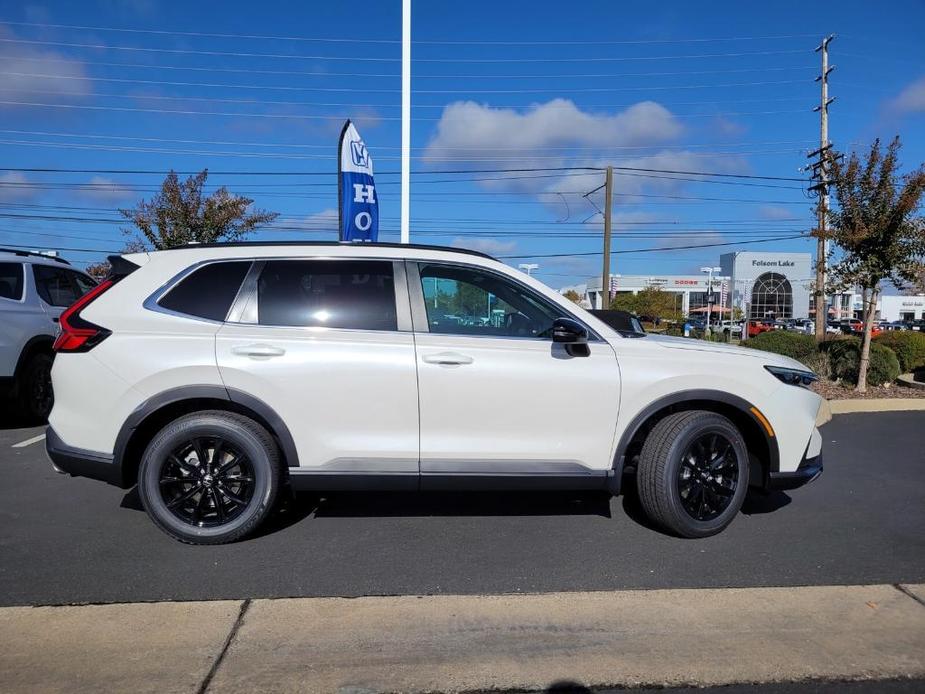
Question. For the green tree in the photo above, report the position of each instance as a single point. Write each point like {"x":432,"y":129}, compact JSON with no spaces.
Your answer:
{"x":572,"y":296}
{"x":651,"y":302}
{"x":875,"y":228}
{"x":179,"y":214}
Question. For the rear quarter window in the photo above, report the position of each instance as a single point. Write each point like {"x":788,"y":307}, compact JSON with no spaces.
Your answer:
{"x":11,"y":281}
{"x":208,"y":291}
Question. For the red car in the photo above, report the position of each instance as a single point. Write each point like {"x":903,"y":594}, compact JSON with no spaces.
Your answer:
{"x":756,"y":327}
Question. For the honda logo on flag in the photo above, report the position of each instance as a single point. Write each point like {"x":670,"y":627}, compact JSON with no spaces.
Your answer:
{"x":358,"y":202}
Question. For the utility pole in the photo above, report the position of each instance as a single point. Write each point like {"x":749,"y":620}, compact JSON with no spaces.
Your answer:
{"x":406,"y":121}
{"x":820,"y":174}
{"x":608,"y":210}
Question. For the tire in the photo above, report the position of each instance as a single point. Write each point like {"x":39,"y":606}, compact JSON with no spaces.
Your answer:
{"x":680,"y":473}
{"x":226,"y":499}
{"x":34,"y":388}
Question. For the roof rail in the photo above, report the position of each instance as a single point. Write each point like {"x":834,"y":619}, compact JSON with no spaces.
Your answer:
{"x":36,"y":254}
{"x":364,"y":244}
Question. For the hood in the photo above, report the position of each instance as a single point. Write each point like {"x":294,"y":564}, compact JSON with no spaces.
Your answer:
{"x":687,"y":343}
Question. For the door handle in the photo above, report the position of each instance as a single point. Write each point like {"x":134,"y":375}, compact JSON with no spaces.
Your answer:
{"x":447,"y":358}
{"x":258,"y":351}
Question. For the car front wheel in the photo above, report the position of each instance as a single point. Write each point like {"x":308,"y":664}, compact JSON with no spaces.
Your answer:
{"x":210,"y":477}
{"x":692,"y":474}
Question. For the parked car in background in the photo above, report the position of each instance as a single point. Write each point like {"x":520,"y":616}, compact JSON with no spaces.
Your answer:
{"x":34,"y":290}
{"x":756,"y":327}
{"x":623,"y":322}
{"x":733,"y":327}
{"x":214,"y":376}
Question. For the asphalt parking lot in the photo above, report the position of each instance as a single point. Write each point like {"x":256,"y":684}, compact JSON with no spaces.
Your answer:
{"x":65,"y":540}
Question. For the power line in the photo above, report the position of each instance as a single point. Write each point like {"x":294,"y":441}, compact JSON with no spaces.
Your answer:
{"x":651,"y":250}
{"x":425,"y":42}
{"x":270,"y":87}
{"x":419,"y":172}
{"x":286,"y":56}
{"x":418,"y":75}
{"x":540,"y":148}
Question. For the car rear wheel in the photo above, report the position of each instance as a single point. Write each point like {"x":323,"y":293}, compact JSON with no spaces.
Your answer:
{"x":35,"y":394}
{"x":692,"y":474}
{"x":210,"y":477}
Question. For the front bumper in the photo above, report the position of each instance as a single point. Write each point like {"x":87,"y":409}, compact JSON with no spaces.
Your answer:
{"x":80,"y":463}
{"x":808,"y":470}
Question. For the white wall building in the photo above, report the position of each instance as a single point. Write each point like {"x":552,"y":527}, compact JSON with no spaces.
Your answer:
{"x":691,"y":290}
{"x":763,"y":285}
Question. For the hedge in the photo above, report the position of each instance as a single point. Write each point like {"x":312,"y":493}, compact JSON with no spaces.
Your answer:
{"x":845,"y":357}
{"x":797,"y":346}
{"x":909,"y":347}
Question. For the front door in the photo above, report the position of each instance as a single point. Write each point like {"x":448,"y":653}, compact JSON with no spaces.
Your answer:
{"x":497,"y":397}
{"x":328,"y":346}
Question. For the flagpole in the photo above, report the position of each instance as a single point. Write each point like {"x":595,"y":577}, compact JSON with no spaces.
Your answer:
{"x":406,"y":121}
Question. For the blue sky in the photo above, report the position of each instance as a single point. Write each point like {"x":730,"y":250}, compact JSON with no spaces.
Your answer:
{"x":724,"y":87}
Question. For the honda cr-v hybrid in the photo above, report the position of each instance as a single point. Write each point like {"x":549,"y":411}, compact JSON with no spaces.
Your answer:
{"x":214,"y":375}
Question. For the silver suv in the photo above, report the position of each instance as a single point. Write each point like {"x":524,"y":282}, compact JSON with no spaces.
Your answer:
{"x":34,"y":289}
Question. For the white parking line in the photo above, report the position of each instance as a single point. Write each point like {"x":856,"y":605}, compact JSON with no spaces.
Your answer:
{"x":29,"y":442}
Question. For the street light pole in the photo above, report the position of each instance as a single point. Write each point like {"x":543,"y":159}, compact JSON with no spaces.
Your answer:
{"x":710,"y":270}
{"x":528,"y":268}
{"x":406,"y":121}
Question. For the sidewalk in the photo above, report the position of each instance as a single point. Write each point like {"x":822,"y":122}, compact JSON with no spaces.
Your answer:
{"x":461,"y":643}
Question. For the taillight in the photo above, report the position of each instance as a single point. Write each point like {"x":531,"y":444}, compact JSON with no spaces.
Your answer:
{"x":77,"y":334}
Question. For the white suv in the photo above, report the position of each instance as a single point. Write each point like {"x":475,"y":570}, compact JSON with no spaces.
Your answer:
{"x":213,"y":375}
{"x":34,"y":289}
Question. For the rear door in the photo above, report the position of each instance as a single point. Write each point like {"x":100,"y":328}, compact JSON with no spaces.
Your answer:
{"x":327,"y":344}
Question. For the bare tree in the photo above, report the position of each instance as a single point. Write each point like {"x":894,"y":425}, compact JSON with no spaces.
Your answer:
{"x":179,"y":214}
{"x":874,"y":225}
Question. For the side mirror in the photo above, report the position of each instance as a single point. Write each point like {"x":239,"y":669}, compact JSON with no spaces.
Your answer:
{"x":573,"y":335}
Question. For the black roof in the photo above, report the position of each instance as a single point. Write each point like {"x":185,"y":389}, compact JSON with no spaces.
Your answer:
{"x":364,"y":244}
{"x":20,"y":252}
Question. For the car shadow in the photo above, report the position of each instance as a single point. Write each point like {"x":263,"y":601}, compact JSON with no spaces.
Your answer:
{"x":294,"y":508}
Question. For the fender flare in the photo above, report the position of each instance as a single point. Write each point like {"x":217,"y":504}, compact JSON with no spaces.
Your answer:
{"x":679,"y":398}
{"x":213,"y":392}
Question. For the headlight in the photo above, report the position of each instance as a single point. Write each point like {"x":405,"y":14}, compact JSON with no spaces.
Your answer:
{"x":793,"y":377}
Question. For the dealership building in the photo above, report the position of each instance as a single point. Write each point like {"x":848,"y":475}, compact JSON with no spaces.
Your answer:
{"x":760,"y":284}
{"x":763,"y":285}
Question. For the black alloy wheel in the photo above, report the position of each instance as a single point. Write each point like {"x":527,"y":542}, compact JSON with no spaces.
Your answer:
{"x":206,"y":481}
{"x":708,"y":476}
{"x":210,"y":477}
{"x":692,"y":473}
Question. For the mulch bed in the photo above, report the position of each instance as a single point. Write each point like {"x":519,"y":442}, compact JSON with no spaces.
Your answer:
{"x":831,"y":390}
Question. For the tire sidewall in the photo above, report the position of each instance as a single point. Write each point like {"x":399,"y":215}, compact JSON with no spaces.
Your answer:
{"x":38,"y":367}
{"x":693,"y":527}
{"x":155,"y":457}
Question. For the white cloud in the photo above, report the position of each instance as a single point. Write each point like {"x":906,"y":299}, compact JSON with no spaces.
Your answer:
{"x":326,"y":220}
{"x":14,"y":187}
{"x":60,"y":75}
{"x":468,"y":129}
{"x":106,"y":190}
{"x":911,"y":99}
{"x":490,"y":246}
{"x":776,"y":212}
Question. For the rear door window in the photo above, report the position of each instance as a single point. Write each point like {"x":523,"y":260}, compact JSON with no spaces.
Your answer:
{"x":56,"y":285}
{"x":352,"y":294}
{"x":11,"y":281}
{"x":208,"y":291}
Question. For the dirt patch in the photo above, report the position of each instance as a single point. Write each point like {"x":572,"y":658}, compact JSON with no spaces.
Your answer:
{"x":831,"y":390}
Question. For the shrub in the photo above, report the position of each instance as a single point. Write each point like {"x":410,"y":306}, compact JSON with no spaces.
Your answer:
{"x":794,"y":345}
{"x":909,"y":347}
{"x":845,"y":356}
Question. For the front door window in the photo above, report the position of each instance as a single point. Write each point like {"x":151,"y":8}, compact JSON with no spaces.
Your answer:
{"x":467,"y":301}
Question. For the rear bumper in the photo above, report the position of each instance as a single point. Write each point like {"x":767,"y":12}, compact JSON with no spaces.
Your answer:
{"x":809,"y":469}
{"x":81,"y":463}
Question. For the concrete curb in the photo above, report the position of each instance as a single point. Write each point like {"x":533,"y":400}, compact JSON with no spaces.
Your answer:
{"x":457,"y":643}
{"x":876,"y":405}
